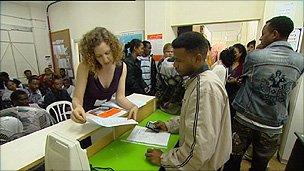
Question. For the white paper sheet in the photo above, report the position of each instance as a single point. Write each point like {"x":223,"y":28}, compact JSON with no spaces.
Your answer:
{"x":144,"y":135}
{"x":111,"y":121}
{"x":139,"y":100}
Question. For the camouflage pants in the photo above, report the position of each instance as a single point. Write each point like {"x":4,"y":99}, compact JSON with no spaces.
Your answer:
{"x":264,"y":147}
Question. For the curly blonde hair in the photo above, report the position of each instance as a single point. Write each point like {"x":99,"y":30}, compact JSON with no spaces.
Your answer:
{"x":94,"y":38}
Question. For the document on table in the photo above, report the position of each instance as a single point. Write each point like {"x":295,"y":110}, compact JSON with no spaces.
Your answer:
{"x":139,"y":99}
{"x":144,"y":135}
{"x":111,"y":121}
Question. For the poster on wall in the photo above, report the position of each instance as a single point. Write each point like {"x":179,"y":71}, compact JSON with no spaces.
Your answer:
{"x":126,"y":37}
{"x":61,"y":43}
{"x":157,"y":43}
{"x":295,"y":39}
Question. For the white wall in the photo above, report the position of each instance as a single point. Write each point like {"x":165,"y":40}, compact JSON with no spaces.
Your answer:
{"x":18,"y":15}
{"x":161,"y":16}
{"x":81,"y":17}
{"x":293,"y":9}
{"x":196,"y":12}
{"x":158,"y":19}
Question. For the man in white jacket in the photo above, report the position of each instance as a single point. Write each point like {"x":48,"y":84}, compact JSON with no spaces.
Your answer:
{"x":204,"y":124}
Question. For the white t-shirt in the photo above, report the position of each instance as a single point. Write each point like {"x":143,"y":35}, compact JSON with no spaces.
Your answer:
{"x":70,"y":90}
{"x":221,"y":72}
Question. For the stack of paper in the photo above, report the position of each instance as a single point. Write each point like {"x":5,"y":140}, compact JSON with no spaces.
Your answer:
{"x":139,"y":99}
{"x":146,"y":136}
{"x":111,"y":121}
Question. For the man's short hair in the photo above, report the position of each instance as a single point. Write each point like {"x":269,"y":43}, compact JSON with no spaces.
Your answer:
{"x":33,"y":77}
{"x":27,"y":71}
{"x":192,"y":42}
{"x":16,"y":94}
{"x":145,"y":42}
{"x":4,"y":74}
{"x":252,"y":42}
{"x":284,"y":25}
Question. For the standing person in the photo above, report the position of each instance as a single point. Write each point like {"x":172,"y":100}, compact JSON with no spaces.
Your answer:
{"x":204,"y":123}
{"x":100,"y":75}
{"x":135,"y":82}
{"x":262,"y":102}
{"x":148,"y":67}
{"x":221,"y":66}
{"x":170,"y":89}
{"x":168,"y":50}
{"x":234,"y":73}
{"x":251,"y":46}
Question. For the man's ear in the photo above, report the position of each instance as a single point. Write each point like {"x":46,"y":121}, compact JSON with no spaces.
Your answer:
{"x":276,"y":35}
{"x":199,"y":58}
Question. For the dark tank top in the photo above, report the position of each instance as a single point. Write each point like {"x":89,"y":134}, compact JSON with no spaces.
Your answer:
{"x":95,"y":91}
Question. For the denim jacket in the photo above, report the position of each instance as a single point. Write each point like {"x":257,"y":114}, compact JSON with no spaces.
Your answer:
{"x":269,"y":76}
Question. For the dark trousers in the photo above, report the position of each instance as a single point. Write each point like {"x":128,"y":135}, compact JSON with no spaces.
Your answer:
{"x":264,"y":147}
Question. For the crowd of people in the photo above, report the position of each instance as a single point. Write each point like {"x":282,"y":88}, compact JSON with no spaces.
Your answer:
{"x":224,"y":105}
{"x":27,"y":102}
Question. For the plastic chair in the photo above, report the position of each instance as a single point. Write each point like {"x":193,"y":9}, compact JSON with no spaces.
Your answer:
{"x":60,"y":110}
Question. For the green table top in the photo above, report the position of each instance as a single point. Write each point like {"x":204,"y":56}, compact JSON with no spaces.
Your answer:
{"x":121,"y":155}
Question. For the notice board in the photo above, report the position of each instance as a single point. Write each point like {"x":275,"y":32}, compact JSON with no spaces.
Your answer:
{"x":62,"y":51}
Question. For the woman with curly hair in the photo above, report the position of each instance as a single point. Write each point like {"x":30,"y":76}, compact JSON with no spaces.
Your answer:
{"x":101,"y":74}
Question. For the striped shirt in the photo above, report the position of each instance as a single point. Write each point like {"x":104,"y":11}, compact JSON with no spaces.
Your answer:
{"x":145,"y":64}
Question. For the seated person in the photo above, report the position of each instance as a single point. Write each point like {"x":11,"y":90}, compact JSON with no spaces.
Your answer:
{"x":33,"y":119}
{"x":4,"y":77}
{"x":101,"y":74}
{"x":28,"y":74}
{"x":56,"y":94}
{"x":10,"y":128}
{"x":35,"y":96}
{"x":10,"y":87}
{"x":45,"y":81}
{"x":67,"y":83}
{"x":63,"y":74}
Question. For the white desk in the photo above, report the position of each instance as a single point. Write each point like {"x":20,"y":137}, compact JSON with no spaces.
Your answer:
{"x":28,"y":151}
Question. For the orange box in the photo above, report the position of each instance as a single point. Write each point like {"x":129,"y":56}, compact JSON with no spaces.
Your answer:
{"x":109,"y":113}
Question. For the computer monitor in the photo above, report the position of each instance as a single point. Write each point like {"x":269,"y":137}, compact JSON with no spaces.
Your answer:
{"x":64,"y":153}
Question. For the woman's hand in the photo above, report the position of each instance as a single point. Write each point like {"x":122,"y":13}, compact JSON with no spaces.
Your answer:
{"x":78,"y":115}
{"x":133,"y":112}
